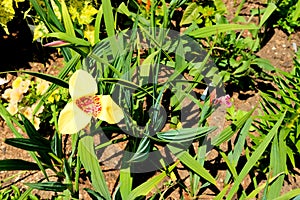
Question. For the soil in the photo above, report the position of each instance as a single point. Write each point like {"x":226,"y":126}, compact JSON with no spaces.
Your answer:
{"x":21,"y":53}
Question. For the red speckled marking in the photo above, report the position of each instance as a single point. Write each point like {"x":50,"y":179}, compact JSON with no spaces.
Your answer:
{"x":90,"y":105}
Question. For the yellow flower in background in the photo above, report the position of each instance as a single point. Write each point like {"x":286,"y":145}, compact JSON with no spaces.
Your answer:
{"x":16,"y":83}
{"x":36,"y":123}
{"x":89,"y":34}
{"x":86,"y":104}
{"x":28,"y":113}
{"x":22,"y":85}
{"x":12,"y":108}
{"x":13,"y":95}
{"x":86,"y":14}
{"x":19,"y":87}
{"x":42,"y":86}
{"x":54,"y":96}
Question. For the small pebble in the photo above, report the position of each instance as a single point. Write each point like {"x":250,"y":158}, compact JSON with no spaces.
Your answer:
{"x":273,"y":48}
{"x":284,"y":46}
{"x":295,"y":47}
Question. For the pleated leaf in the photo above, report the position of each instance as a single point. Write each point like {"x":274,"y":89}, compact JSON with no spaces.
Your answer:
{"x":185,"y":135}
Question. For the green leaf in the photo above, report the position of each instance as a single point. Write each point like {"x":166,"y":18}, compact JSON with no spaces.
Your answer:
{"x":67,"y":19}
{"x":47,"y":77}
{"x":269,"y":10}
{"x":109,"y":24}
{"x":220,"y":28}
{"x":32,"y":133}
{"x":93,"y":194}
{"x":184,"y":135}
{"x":191,"y":163}
{"x":49,"y":186}
{"x":230,"y":130}
{"x":125,"y":182}
{"x":90,"y":162}
{"x":254,"y":158}
{"x":98,"y":25}
{"x":263,"y":63}
{"x":9,"y":122}
{"x":235,"y":154}
{"x":289,"y":195}
{"x":146,"y":187}
{"x":190,"y":14}
{"x":277,"y":163}
{"x":28,"y":144}
{"x":17,"y":164}
{"x":69,"y":38}
{"x":142,"y":151}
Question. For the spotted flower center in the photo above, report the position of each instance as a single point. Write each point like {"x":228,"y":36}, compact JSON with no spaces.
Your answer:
{"x":90,"y":105}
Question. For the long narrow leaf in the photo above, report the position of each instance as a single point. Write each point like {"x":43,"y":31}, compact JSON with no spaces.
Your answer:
{"x":109,"y":24}
{"x":220,"y":28}
{"x":230,"y":130}
{"x":254,"y":158}
{"x":47,"y":77}
{"x":90,"y":162}
{"x":17,"y":164}
{"x":146,"y":187}
{"x":191,"y":163}
{"x":49,"y":186}
{"x":28,"y":144}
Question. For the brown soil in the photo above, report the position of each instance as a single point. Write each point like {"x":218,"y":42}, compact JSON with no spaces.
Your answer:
{"x":278,"y":50}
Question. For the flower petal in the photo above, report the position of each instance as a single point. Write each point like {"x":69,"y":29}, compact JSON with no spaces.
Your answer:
{"x":82,"y":84}
{"x":110,"y":111}
{"x":72,"y":119}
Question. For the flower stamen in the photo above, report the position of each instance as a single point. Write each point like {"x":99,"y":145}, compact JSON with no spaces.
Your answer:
{"x":90,"y":105}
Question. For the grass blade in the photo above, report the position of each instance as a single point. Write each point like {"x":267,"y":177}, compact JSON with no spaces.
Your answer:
{"x":220,"y":28}
{"x":191,"y":163}
{"x":254,"y":158}
{"x":145,"y":188}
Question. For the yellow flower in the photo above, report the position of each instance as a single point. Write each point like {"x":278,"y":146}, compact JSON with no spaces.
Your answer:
{"x":86,"y":14}
{"x":54,"y":96}
{"x":17,"y":83}
{"x":12,"y":108}
{"x":28,"y":113}
{"x":36,"y":123}
{"x":13,"y":95}
{"x":42,"y":87}
{"x":23,"y":86}
{"x":86,"y":104}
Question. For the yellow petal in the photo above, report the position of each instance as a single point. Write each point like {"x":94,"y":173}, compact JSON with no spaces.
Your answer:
{"x":72,"y":119}
{"x":110,"y":111}
{"x":82,"y":84}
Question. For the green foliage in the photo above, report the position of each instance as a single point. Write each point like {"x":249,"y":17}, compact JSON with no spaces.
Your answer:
{"x":288,"y":13}
{"x":233,"y":50}
{"x":285,"y":98}
{"x":126,"y":49}
{"x":14,"y":193}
